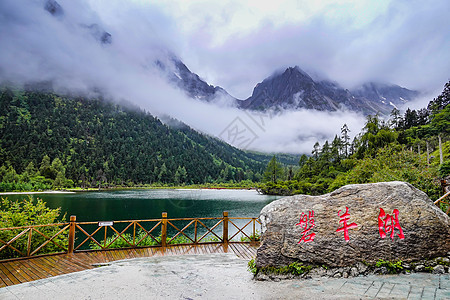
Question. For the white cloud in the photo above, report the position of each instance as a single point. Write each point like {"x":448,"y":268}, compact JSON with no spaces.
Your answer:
{"x":231,"y":44}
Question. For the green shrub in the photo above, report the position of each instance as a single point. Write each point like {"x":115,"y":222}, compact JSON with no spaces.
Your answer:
{"x":252,"y":237}
{"x":140,"y":234}
{"x":295,"y":268}
{"x":444,"y":169}
{"x":25,"y":213}
{"x":251,"y":266}
{"x":393,"y":267}
{"x":393,"y":163}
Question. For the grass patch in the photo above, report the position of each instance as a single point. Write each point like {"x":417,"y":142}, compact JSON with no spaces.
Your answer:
{"x":393,"y":267}
{"x":295,"y":268}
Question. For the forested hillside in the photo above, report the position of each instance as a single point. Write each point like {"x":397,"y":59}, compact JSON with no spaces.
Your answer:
{"x":413,"y":147}
{"x":50,"y":141}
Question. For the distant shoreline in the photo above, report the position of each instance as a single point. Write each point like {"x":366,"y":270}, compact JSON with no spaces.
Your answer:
{"x":127,"y":188}
{"x":29,"y":193}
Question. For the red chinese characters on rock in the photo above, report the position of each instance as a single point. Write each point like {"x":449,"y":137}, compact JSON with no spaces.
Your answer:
{"x":388,"y":223}
{"x":305,"y":221}
{"x":345,"y":227}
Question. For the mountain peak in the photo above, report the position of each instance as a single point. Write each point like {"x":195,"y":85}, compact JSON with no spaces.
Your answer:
{"x":295,"y":89}
{"x":180,"y":75}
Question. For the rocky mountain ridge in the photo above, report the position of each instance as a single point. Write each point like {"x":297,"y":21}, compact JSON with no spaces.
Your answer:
{"x":294,"y":89}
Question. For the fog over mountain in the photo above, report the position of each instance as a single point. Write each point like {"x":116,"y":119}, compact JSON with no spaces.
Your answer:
{"x":121,"y":49}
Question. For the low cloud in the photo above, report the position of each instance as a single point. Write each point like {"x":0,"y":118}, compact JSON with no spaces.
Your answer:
{"x":401,"y":42}
{"x":37,"y":46}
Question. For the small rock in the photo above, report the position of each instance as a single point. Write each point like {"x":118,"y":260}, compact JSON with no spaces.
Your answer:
{"x":276,"y":279}
{"x":406,"y":266}
{"x":262,"y":277}
{"x":362,"y":268}
{"x":345,"y":275}
{"x":337,"y":275}
{"x":439,"y":269}
{"x":354,"y":272}
{"x":419,"y":268}
{"x":446,"y":260}
{"x":318,"y":272}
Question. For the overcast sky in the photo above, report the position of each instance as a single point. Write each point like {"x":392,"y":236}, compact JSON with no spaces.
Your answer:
{"x":236,"y":44}
{"x":233,"y":44}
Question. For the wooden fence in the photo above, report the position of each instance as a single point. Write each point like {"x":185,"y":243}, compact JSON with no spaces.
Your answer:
{"x":444,"y":201}
{"x":37,"y":240}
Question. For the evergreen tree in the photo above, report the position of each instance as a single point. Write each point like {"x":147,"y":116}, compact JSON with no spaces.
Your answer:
{"x":303,"y":160}
{"x":273,"y":171}
{"x":345,"y":137}
{"x":440,"y":102}
{"x":315,"y":151}
{"x":396,"y":119}
{"x":162,"y":177}
{"x":45,"y":168}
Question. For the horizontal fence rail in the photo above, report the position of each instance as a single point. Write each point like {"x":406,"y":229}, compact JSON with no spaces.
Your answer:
{"x":37,"y":240}
{"x":444,"y":201}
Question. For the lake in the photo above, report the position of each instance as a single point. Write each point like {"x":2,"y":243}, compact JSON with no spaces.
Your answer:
{"x":149,"y":204}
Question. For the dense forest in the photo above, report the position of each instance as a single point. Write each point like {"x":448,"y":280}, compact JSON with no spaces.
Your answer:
{"x":414,"y":147}
{"x":50,"y":141}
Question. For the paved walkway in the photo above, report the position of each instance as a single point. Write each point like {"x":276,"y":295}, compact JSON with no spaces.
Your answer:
{"x":34,"y":268}
{"x":217,"y":276}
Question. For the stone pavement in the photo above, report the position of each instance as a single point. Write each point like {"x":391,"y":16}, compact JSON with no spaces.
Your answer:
{"x":218,"y":276}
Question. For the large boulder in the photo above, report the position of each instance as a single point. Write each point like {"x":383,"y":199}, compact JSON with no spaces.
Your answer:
{"x":356,"y":223}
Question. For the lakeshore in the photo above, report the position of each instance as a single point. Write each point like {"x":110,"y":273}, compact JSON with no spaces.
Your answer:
{"x":81,"y":190}
{"x":36,"y":193}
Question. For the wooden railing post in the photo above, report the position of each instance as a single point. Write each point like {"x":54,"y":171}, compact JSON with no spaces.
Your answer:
{"x":164,"y":229}
{"x":225,"y":228}
{"x":253,"y":239}
{"x":30,"y":233}
{"x":73,"y":219}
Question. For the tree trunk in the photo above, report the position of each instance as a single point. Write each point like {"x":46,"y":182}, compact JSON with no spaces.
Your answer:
{"x":441,"y":157}
{"x":418,"y":148}
{"x":428,"y":153}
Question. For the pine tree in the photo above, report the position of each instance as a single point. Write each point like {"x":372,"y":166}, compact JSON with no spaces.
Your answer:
{"x":303,"y":160}
{"x":45,"y":168}
{"x":315,"y":151}
{"x":273,"y":171}
{"x":345,"y":138}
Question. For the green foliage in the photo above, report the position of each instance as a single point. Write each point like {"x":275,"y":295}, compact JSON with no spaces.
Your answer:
{"x":393,"y":163}
{"x":252,"y":237}
{"x":376,"y":134}
{"x":393,"y":267}
{"x":251,"y":266}
{"x":273,"y":171}
{"x":429,"y":269}
{"x":211,"y":239}
{"x":295,"y":268}
{"x":26,"y":213}
{"x":144,"y":241}
{"x":444,"y":169}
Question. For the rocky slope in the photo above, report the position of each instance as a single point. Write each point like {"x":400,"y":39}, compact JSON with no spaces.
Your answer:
{"x":295,"y":89}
